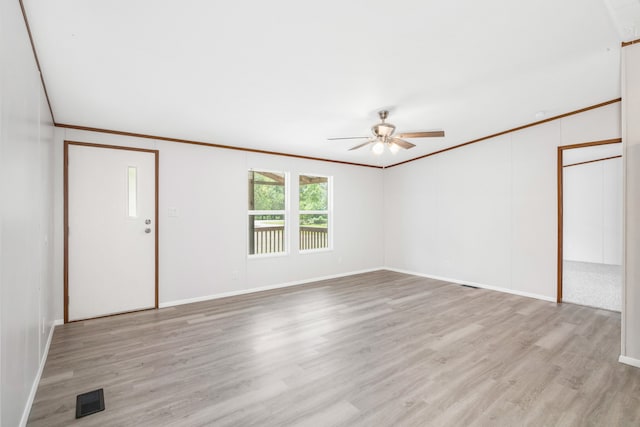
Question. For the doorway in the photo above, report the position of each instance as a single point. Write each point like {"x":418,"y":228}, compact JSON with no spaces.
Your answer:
{"x":111,"y":230}
{"x":590,"y":224}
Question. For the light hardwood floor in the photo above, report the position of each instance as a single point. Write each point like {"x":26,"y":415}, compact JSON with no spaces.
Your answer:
{"x":375,"y":349}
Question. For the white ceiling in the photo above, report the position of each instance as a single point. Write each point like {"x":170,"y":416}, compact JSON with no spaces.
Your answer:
{"x":284,"y":75}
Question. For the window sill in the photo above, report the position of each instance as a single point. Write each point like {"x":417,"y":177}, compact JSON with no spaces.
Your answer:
{"x":263,"y":256}
{"x":315,"y":251}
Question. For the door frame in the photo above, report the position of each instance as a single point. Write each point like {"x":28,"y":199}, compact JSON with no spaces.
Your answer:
{"x":561,"y":201}
{"x":156,"y":154}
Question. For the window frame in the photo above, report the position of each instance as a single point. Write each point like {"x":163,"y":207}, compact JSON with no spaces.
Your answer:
{"x":328,"y":212}
{"x":286,"y":213}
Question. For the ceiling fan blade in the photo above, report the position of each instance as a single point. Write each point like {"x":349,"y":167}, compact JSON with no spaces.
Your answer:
{"x":360,"y":145}
{"x":430,"y":134}
{"x":402,"y":143}
{"x":349,"y":137}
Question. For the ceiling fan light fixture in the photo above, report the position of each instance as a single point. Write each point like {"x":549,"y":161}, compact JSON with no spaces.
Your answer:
{"x":394,"y":148}
{"x":378,"y":148}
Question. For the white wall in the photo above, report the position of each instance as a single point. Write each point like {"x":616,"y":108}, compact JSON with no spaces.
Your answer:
{"x":203,"y":251}
{"x":26,"y":220}
{"x":487,"y":213}
{"x":592,"y":212}
{"x":631,"y":143}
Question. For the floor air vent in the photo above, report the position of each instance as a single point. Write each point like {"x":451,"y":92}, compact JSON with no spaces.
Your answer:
{"x":89,"y":403}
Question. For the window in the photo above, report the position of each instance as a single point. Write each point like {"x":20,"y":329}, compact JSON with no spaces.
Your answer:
{"x":268,"y":204}
{"x":315,"y":212}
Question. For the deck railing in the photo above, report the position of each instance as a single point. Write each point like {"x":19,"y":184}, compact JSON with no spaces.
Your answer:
{"x":268,"y":240}
{"x":313,"y":238}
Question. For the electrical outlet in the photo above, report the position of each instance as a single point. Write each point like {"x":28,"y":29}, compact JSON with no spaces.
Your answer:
{"x":173,"y":212}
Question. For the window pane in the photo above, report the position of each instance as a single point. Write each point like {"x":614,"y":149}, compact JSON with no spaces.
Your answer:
{"x":266,"y":191}
{"x":313,"y":193}
{"x":266,"y":234}
{"x":132,"y":187}
{"x":314,"y":231}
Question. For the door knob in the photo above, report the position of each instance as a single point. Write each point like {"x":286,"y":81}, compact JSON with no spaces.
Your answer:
{"x":147,"y":230}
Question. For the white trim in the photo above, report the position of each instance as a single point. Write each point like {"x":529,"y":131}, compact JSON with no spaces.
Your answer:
{"x":263,"y":288}
{"x":623,"y":130}
{"x":314,"y":251}
{"x":269,"y":255}
{"x":477,"y":285}
{"x":629,"y":361}
{"x":335,"y":276}
{"x":36,"y":381}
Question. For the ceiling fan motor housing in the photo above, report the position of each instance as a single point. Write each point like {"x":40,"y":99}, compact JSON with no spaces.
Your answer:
{"x":383,"y":130}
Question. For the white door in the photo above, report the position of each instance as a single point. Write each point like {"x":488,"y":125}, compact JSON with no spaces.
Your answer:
{"x":111,"y":246}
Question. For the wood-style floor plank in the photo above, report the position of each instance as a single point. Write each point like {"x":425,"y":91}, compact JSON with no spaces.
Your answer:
{"x":381,"y":348}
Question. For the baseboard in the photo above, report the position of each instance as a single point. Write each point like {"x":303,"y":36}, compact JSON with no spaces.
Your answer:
{"x":629,"y":361}
{"x":477,"y":285}
{"x":36,"y":381}
{"x":262,"y":288}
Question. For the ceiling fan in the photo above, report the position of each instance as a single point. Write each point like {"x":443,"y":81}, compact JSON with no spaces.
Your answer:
{"x":383,"y":136}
